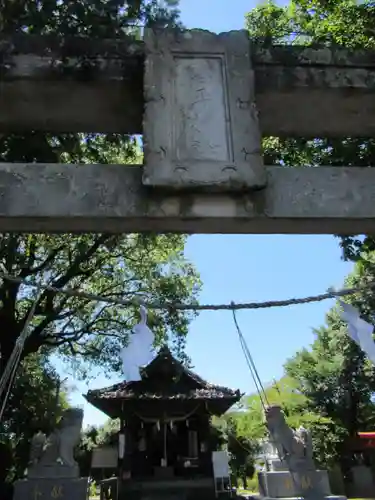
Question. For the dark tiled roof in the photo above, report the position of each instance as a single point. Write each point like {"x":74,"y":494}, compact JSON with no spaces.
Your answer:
{"x":131,"y":391}
{"x":194,"y":388}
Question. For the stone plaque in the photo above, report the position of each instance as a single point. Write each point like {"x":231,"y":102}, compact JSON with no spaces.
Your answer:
{"x":51,"y":489}
{"x":200,"y":123}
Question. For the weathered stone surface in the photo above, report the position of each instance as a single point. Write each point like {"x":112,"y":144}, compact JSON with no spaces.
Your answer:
{"x":295,"y":448}
{"x":38,"y":197}
{"x":51,"y":489}
{"x":201,"y":126}
{"x":60,"y":106}
{"x":281,"y":484}
{"x":52,"y":456}
{"x":41,"y":91}
{"x":71,"y":45}
{"x":302,"y":55}
{"x":327,"y":497}
{"x":127,"y":47}
{"x":363,"y":483}
{"x":299,"y":90}
{"x":310,"y":112}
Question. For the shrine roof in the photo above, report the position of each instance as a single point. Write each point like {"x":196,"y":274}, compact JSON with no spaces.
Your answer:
{"x":132,"y":390}
{"x":165,"y":378}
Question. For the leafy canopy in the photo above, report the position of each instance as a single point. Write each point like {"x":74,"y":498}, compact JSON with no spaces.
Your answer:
{"x":319,"y":23}
{"x":35,"y":403}
{"x":333,"y":381}
{"x":152,"y":267}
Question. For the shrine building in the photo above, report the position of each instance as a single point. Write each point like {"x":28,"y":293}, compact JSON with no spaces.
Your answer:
{"x":166,"y":439}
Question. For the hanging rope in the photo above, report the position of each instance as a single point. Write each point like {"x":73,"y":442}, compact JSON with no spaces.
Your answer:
{"x":10,"y":383}
{"x":9,"y":374}
{"x":166,"y":418}
{"x":250,"y":363}
{"x":260,"y":390}
{"x":137,"y":301}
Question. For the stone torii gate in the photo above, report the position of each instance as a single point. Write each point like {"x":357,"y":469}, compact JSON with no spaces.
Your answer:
{"x":204,"y":101}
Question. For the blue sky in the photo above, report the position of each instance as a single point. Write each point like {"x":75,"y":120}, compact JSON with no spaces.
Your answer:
{"x":252,"y":268}
{"x":217,"y":15}
{"x":245,"y":269}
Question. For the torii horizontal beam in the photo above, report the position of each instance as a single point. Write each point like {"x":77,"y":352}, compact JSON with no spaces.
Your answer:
{"x":300,"y":91}
{"x":111,"y":198}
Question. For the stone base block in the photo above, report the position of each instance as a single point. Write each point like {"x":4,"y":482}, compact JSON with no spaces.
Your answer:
{"x":280,"y":484}
{"x":275,"y":464}
{"x":327,"y":497}
{"x":54,"y":470}
{"x":51,"y":489}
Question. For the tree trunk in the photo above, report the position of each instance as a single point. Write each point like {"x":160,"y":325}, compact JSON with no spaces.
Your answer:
{"x":244,"y":481}
{"x":8,"y":339}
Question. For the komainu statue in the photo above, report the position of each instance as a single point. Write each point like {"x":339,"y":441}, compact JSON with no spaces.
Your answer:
{"x":53,"y":455}
{"x":295,"y":448}
{"x":293,"y":444}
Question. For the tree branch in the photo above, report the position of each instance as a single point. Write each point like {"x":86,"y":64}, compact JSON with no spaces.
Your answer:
{"x":51,"y":257}
{"x":36,"y":339}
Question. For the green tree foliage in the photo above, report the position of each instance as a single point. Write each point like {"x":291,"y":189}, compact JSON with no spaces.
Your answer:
{"x":152,"y":267}
{"x":242,"y":451}
{"x":328,"y":387}
{"x":98,"y":19}
{"x":345,"y":23}
{"x":284,"y":392}
{"x":35,"y":403}
{"x":92,"y":437}
{"x":333,"y":375}
{"x":241,"y":446}
{"x":287,"y":393}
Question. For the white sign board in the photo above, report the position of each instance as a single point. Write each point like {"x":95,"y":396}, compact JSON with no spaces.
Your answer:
{"x":220,"y":462}
{"x":105,"y":457}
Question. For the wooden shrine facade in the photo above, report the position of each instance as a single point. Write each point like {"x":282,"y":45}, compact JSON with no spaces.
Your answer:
{"x":165,"y":440}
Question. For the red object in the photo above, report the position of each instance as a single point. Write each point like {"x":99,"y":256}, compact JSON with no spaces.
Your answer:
{"x":369,"y":437}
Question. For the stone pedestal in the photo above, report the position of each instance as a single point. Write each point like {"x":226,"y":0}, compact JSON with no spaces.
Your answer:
{"x":362,"y":485}
{"x":54,"y":471}
{"x":275,"y":464}
{"x":51,"y":489}
{"x":280,"y":484}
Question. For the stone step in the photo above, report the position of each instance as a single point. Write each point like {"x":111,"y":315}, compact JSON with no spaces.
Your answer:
{"x":328,"y":497}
